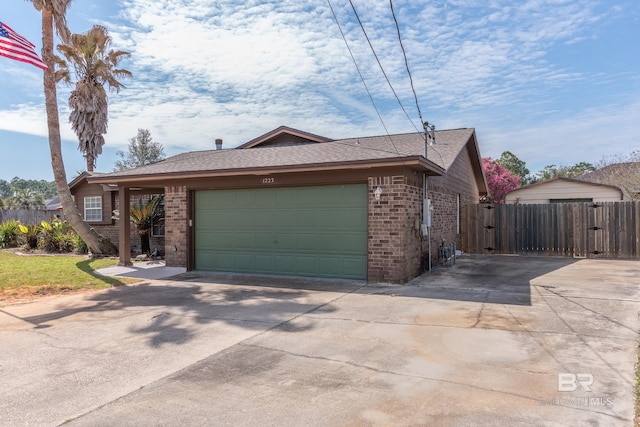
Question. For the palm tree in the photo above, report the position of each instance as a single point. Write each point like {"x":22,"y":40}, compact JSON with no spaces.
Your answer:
{"x":143,"y":216}
{"x":26,"y":199}
{"x":54,"y":11}
{"x":95,"y":66}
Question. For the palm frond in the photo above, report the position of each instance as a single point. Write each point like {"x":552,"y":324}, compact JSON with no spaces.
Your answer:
{"x":94,"y":64}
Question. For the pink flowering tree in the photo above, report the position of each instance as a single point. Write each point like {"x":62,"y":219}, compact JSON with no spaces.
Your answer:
{"x":499,"y":180}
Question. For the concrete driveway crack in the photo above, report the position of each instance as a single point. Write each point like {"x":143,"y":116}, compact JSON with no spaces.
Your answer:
{"x":484,"y":303}
{"x":588,"y":309}
{"x":422,"y":377}
{"x":581,"y":338}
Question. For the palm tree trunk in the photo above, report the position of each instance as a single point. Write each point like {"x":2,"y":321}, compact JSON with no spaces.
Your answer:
{"x":145,"y":243}
{"x":97,"y":244}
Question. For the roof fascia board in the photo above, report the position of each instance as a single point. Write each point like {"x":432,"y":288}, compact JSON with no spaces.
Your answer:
{"x":418,"y":162}
{"x":474,"y":152}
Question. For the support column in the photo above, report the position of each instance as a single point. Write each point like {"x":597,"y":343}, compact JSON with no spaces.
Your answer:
{"x":124,"y":226}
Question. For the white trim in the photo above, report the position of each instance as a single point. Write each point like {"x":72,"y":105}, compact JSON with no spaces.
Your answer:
{"x":91,"y":207}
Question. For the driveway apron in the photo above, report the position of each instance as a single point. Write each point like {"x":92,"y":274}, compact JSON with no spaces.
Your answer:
{"x":493,"y":340}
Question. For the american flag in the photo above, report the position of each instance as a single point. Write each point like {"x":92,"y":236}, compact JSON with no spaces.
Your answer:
{"x":14,"y":46}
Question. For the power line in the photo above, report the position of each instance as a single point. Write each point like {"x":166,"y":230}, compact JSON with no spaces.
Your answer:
{"x":361,"y":76}
{"x":429,"y":129}
{"x":406,"y":62}
{"x":355,"y":12}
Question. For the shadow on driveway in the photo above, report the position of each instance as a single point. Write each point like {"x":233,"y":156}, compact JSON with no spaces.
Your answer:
{"x":179,"y":307}
{"x":496,"y":279}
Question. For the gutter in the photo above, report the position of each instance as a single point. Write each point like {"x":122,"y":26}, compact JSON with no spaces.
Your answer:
{"x":419,"y":162}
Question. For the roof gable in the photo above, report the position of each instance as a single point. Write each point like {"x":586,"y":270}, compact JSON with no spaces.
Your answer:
{"x":282,"y":137}
{"x":555,"y":181}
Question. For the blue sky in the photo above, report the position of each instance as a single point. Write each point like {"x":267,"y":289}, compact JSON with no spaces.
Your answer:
{"x":553,"y":81}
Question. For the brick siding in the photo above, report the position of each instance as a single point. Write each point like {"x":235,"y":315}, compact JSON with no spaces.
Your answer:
{"x":394,"y":246}
{"x":176,"y":226}
{"x":444,"y":217}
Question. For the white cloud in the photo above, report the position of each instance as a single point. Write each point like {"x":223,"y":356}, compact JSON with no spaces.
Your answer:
{"x":32,"y":120}
{"x":204,"y":70}
{"x":588,"y":136}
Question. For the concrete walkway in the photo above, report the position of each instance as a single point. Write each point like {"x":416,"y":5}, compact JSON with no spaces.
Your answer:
{"x":492,"y":341}
{"x":151,"y":270}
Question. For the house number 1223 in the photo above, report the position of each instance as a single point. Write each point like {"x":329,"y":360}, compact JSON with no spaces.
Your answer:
{"x":268,"y":180}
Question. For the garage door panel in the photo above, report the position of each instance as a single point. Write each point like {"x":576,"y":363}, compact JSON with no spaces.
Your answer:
{"x":286,"y":219}
{"x":330,"y":265}
{"x":263,"y":263}
{"x":353,"y":266}
{"x":351,"y":243}
{"x":307,"y":263}
{"x":283,"y":264}
{"x":263,"y":240}
{"x":243,"y":262}
{"x":308,"y":231}
{"x":243,"y":240}
{"x":223,"y":240}
{"x":260,"y":219}
{"x":286,"y":242}
{"x":352,"y":219}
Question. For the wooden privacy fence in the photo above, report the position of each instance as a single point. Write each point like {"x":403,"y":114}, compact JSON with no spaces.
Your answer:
{"x":591,"y":230}
{"x":28,"y":216}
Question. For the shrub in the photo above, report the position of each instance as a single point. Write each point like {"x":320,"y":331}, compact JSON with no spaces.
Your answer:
{"x":79,"y":245}
{"x":29,"y":233}
{"x":9,"y":231}
{"x":54,"y":236}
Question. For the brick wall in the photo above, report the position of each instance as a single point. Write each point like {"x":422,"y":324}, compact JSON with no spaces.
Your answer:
{"x":459,"y":181}
{"x":394,"y":245}
{"x":397,"y":252}
{"x":444,"y":219}
{"x":176,"y":226}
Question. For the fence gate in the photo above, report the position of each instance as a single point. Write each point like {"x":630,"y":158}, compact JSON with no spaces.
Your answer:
{"x":589,"y":230}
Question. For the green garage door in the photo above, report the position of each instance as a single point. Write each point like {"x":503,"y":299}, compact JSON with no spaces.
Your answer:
{"x":301,"y":231}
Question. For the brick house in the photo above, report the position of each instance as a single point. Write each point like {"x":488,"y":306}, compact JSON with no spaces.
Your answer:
{"x":293,"y":203}
{"x":97,"y":202}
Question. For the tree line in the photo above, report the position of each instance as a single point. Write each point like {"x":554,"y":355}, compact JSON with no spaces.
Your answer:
{"x":31,"y":194}
{"x":25,"y":193}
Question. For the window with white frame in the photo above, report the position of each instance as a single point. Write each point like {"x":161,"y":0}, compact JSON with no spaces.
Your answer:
{"x":93,"y":209}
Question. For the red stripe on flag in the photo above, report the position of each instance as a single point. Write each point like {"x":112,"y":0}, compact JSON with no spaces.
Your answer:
{"x":17,"y":36}
{"x":14,"y":46}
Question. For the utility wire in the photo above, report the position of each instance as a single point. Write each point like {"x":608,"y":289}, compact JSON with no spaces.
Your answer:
{"x":406,"y":62}
{"x":361,"y":76}
{"x":413,"y":89}
{"x":355,"y":12}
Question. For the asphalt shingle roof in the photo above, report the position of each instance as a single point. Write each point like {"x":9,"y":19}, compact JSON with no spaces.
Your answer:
{"x":449,"y":143}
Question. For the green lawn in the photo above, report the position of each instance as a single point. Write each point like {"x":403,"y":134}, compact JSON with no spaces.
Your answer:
{"x":26,"y":276}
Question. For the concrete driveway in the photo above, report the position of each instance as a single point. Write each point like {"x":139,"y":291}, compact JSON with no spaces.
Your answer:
{"x":494,"y":340}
